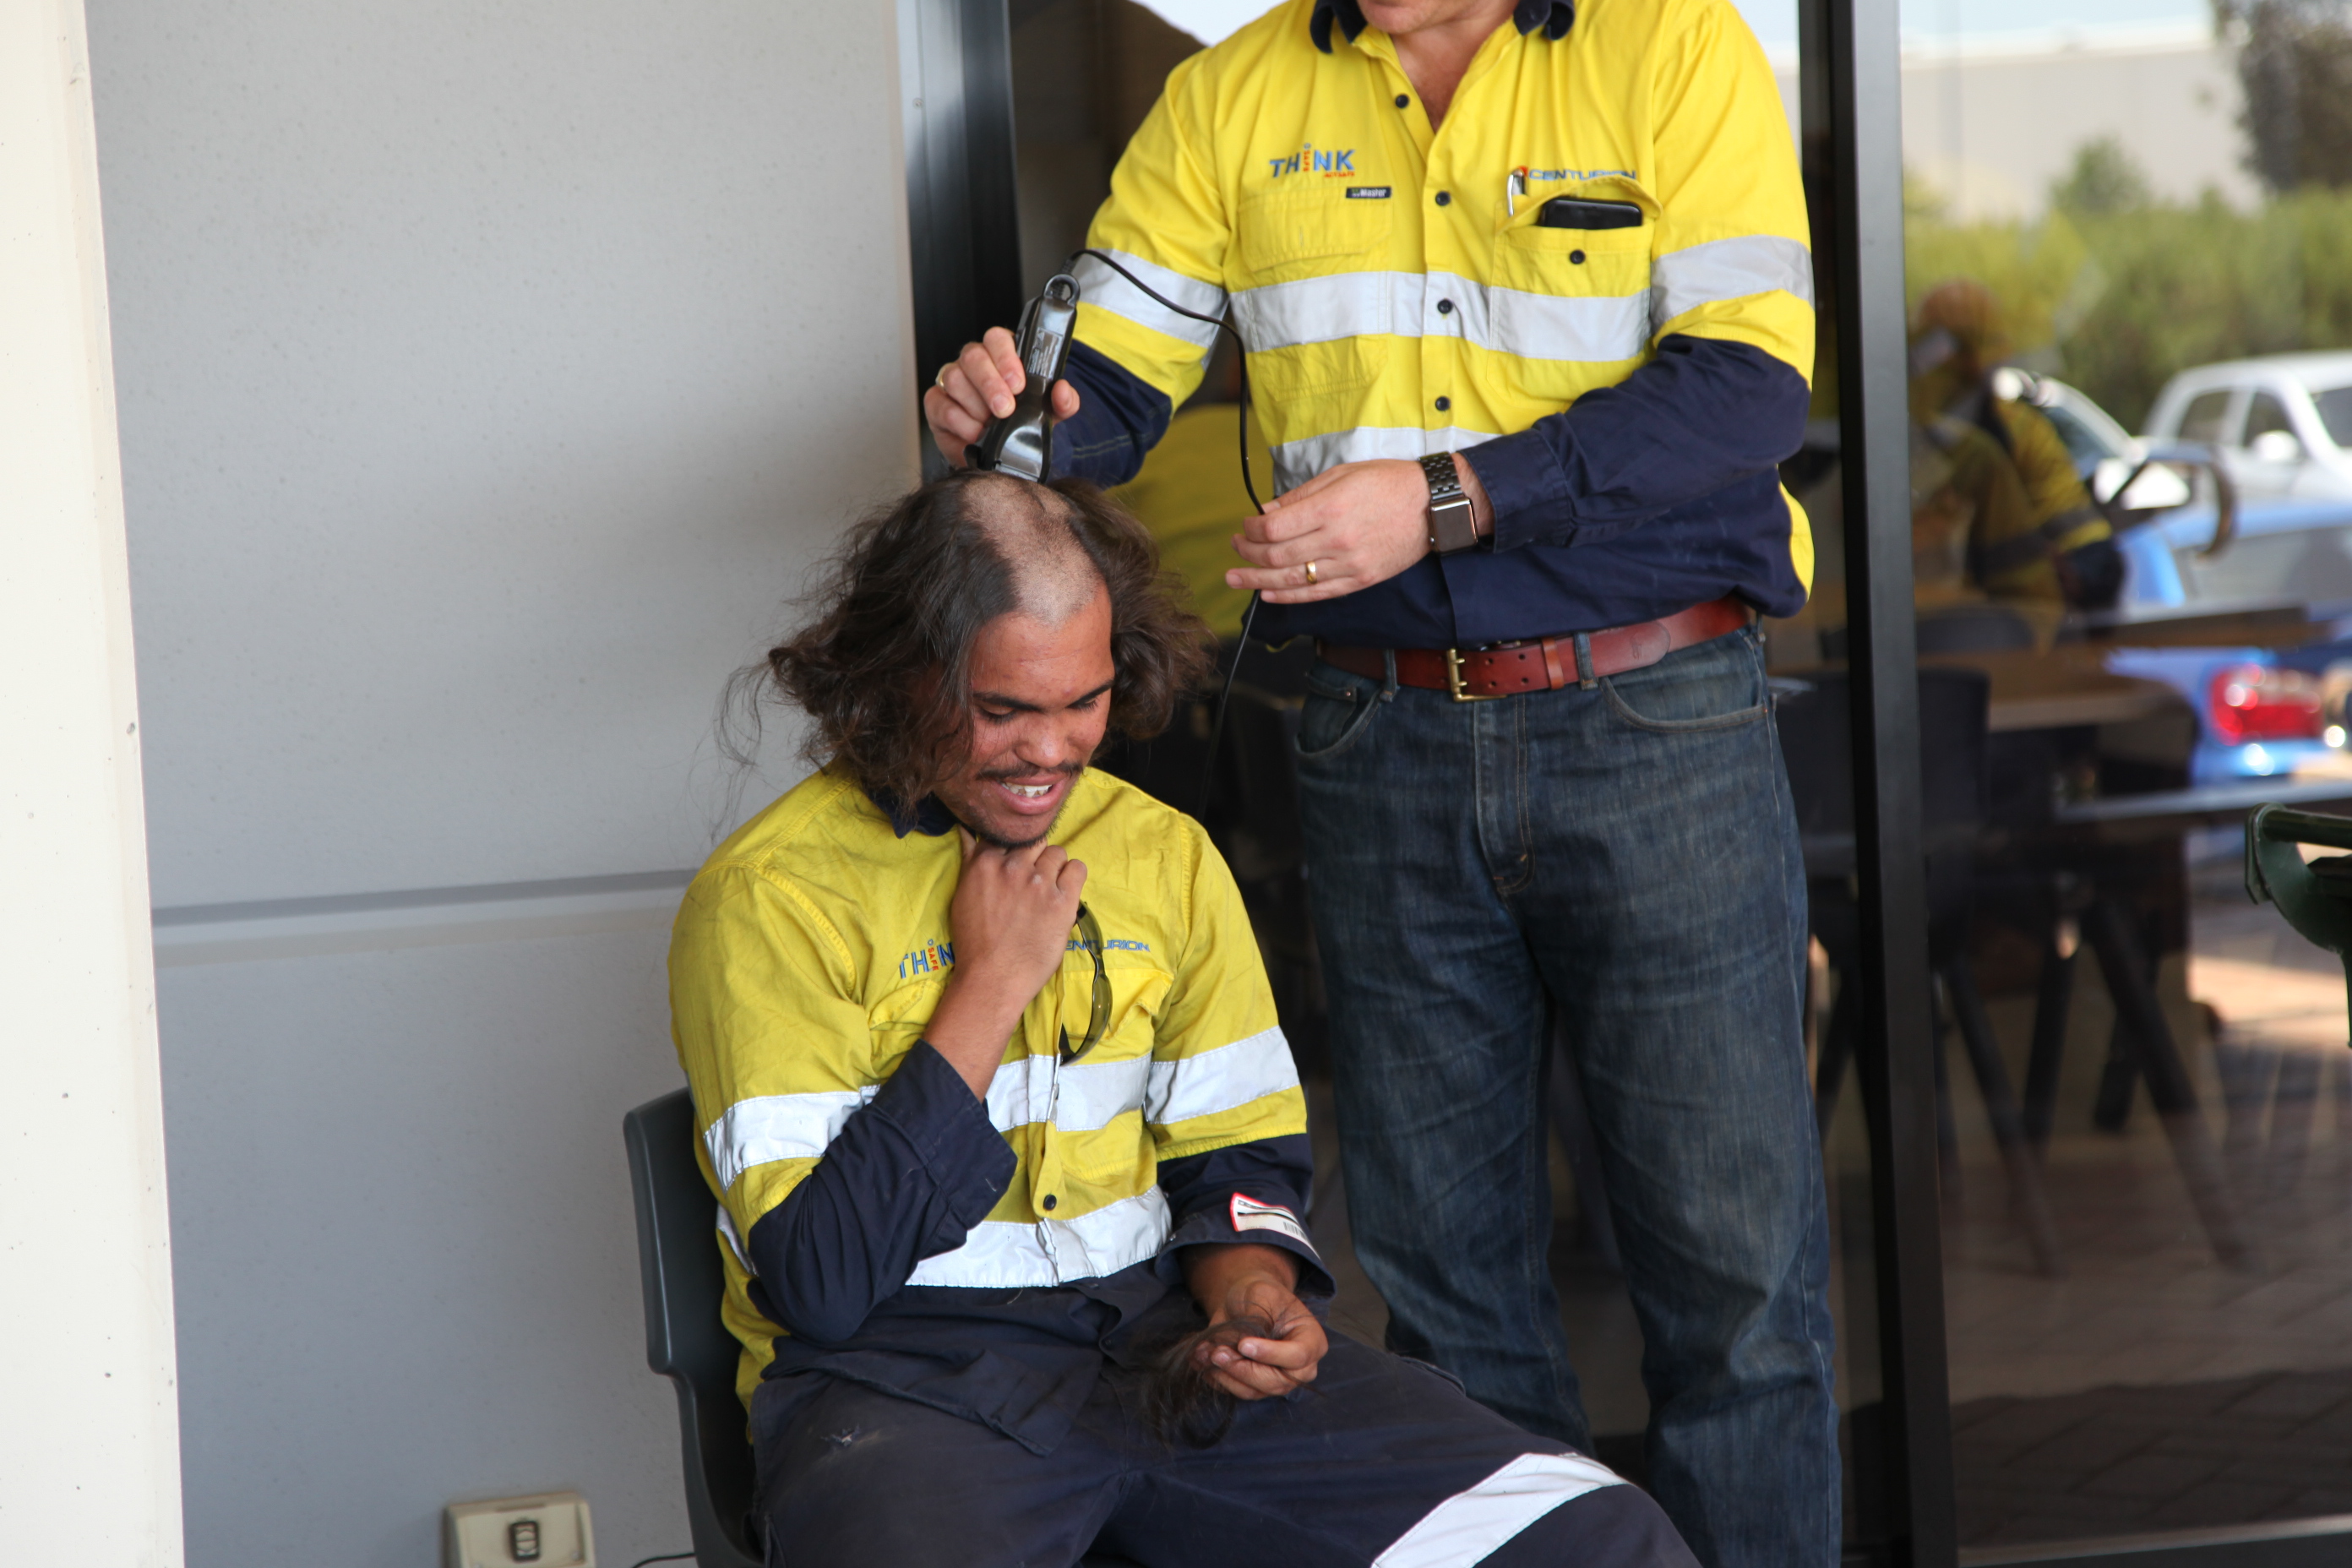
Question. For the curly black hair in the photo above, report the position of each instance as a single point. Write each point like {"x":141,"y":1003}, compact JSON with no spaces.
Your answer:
{"x":882,"y":666}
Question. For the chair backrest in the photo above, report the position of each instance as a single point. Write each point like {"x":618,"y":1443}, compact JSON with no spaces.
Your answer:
{"x":1973,"y":628}
{"x":1953,"y":706}
{"x":1954,"y":783}
{"x":677,"y":1257}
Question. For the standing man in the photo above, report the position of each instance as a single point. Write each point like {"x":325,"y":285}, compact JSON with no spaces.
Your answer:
{"x":1528,"y":303}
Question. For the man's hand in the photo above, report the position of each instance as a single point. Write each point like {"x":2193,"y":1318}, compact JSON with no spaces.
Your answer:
{"x":1012,"y":916}
{"x":1245,"y":1279}
{"x":1359,"y":524}
{"x":980,"y":386}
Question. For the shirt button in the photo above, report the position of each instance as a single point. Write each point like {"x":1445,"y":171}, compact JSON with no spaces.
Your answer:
{"x":1576,"y":257}
{"x":1403,"y":101}
{"x":1443,"y":404}
{"x":1445,"y":307}
{"x":1445,"y":198}
{"x":1050,"y":1201}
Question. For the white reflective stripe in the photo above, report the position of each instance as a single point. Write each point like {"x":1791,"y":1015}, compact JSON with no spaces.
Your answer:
{"x":1592,"y":329}
{"x":734,"y":1239}
{"x":1099,"y":285}
{"x":1725,"y":270}
{"x":1220,"y":1079}
{"x":1468,"y":1526}
{"x":1296,"y":462}
{"x":1005,"y":1255}
{"x":1599,"y":329}
{"x":1320,"y":310}
{"x":1092,"y":1094}
{"x":779,"y":1127}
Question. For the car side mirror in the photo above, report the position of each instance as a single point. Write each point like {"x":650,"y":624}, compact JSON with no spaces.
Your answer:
{"x":2275,"y":447}
{"x":2192,"y":458}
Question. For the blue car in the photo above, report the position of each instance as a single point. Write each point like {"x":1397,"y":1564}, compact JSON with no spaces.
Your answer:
{"x":2191,"y":542}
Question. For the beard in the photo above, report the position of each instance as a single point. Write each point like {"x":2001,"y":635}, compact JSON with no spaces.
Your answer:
{"x":995,"y":840}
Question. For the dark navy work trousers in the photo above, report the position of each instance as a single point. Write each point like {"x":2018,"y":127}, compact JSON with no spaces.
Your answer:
{"x":1624,"y":857}
{"x":1380,"y":1461}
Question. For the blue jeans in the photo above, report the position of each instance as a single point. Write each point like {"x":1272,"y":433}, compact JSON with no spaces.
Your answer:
{"x":1627,"y":857}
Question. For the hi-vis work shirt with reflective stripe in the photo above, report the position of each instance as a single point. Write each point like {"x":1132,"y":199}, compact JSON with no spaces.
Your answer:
{"x":1627,"y":389}
{"x":868,"y":1197}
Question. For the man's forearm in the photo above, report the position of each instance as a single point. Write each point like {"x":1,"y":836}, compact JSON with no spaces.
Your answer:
{"x":975,"y":1017}
{"x":1701,"y":414}
{"x":905,"y":1179}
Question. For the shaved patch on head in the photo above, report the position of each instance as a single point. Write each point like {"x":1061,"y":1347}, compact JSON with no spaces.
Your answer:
{"x":1028,"y":527}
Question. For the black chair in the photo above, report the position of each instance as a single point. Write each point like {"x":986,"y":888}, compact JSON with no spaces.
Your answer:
{"x":677,"y":1257}
{"x":1972,"y":628}
{"x":1955,"y":793}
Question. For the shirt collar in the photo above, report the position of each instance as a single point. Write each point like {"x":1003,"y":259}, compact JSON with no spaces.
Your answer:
{"x":1554,"y":16}
{"x":926,"y":817}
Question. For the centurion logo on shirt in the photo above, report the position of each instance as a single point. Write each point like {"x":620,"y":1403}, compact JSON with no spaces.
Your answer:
{"x":1527,"y":176}
{"x":933,"y":956}
{"x":1312,"y":160}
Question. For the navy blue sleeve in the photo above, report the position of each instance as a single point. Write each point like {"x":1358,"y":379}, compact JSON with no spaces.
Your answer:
{"x":1701,"y":414}
{"x":906,"y":1178}
{"x":1120,"y":419}
{"x":1253,"y":1192}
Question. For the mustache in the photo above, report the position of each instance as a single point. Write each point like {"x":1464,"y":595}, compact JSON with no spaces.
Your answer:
{"x":998,"y":775}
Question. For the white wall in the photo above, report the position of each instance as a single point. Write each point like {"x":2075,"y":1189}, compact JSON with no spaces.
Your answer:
{"x":488,"y":375}
{"x":88,"y":1441}
{"x":1991,"y":124}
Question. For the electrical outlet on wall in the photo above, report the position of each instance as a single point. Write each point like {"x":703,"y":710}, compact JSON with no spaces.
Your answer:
{"x":550,"y":1530}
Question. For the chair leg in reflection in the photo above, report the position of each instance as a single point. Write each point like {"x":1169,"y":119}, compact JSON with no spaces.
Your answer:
{"x":2053,"y":995}
{"x":2018,"y":1157}
{"x":2029,"y":1197}
{"x":2155,"y":1056}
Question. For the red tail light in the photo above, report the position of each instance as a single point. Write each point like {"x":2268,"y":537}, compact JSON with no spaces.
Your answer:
{"x":2254,"y":702}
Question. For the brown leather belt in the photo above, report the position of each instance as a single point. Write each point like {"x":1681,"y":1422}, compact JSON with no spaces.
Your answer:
{"x":1544,"y":664}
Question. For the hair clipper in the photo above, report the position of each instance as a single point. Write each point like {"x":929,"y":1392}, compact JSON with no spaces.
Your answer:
{"x":1021,"y":442}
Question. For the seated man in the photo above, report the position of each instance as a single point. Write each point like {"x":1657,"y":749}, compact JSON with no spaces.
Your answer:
{"x":997,"y":1108}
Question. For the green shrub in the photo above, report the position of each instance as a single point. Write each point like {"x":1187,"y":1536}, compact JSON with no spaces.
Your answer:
{"x":2116,"y":300}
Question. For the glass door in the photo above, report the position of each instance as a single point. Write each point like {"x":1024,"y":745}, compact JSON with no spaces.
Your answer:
{"x":2127,"y":340}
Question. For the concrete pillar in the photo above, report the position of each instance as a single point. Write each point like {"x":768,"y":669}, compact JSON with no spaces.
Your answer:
{"x":90,"y":1470}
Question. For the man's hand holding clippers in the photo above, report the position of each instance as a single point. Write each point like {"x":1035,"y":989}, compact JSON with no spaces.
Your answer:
{"x":979,"y":386}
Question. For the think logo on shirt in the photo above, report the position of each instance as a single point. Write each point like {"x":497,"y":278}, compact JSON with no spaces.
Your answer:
{"x":1312,"y":160}
{"x":924,"y":959}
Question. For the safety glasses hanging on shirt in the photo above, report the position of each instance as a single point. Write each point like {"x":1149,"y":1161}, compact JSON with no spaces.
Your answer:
{"x":1090,"y":937}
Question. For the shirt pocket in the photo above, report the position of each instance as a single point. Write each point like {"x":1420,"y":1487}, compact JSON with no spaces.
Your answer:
{"x":896,"y":1019}
{"x":1570,"y":302}
{"x":1310,"y":298}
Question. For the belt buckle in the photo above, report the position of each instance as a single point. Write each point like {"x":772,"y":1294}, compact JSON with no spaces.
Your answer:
{"x":1454,"y":681}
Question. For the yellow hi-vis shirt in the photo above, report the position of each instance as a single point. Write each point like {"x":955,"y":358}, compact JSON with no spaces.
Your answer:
{"x":1395,"y":289}
{"x":806,"y":961}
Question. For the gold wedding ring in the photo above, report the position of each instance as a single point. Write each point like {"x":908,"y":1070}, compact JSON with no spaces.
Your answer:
{"x":940,"y":380}
{"x":1310,"y":573}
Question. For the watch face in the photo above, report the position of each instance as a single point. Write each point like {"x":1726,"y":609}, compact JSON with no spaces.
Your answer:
{"x":1452,"y":525}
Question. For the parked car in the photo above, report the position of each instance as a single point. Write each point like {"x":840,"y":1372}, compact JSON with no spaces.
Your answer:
{"x":2189,"y":541}
{"x":2281,"y":423}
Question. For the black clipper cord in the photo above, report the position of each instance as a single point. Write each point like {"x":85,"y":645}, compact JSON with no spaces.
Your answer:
{"x":1249,"y":616}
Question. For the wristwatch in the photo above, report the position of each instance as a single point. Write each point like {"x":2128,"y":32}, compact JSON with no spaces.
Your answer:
{"x":1450,"y":526}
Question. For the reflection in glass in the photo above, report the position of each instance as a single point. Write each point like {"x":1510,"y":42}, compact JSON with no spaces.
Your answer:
{"x":2144,"y":1128}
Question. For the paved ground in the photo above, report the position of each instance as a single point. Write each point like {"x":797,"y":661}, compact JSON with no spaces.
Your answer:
{"x":2123,"y":1460}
